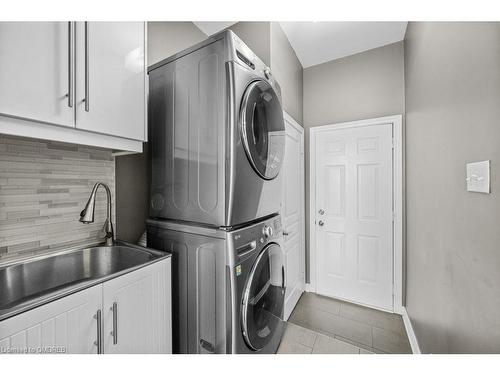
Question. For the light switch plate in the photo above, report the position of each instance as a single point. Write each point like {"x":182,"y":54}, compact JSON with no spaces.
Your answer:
{"x":478,"y":177}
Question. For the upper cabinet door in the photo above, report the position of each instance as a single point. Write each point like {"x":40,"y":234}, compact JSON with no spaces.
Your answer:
{"x":36,"y":75}
{"x":111,"y":78}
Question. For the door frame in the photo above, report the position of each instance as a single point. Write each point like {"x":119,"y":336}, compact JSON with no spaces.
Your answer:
{"x":397,"y":199}
{"x":290,"y":120}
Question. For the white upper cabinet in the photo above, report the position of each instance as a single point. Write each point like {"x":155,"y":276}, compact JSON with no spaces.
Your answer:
{"x":88,"y":78}
{"x":36,"y":77}
{"x":111,"y":78}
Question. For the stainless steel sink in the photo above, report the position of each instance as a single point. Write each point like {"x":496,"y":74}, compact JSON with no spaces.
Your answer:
{"x":30,"y":283}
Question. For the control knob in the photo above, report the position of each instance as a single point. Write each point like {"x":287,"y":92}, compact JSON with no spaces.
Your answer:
{"x":267,"y":73}
{"x":267,"y":231}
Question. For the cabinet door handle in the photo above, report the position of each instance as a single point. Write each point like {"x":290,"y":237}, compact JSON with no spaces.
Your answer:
{"x":98,"y":342}
{"x":114,"y":332}
{"x":86,"y":100}
{"x":70,"y":65}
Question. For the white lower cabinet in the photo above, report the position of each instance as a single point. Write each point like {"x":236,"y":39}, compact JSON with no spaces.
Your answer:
{"x":137,"y":311}
{"x":135,"y":318}
{"x":66,"y":325}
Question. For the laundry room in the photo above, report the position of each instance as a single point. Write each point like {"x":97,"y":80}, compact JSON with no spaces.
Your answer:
{"x":319,"y":188}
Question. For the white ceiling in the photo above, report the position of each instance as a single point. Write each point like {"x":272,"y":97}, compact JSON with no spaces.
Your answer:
{"x":319,"y":42}
{"x":212,"y":27}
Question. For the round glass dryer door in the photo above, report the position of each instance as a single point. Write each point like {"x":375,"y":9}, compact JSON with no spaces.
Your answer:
{"x":263,"y":129}
{"x":263,"y":297}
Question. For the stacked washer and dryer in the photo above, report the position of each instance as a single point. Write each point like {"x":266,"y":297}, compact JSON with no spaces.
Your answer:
{"x":217,"y":140}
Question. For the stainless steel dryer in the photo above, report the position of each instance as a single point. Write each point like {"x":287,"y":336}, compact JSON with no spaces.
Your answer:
{"x":228,"y":287}
{"x":217,"y":135}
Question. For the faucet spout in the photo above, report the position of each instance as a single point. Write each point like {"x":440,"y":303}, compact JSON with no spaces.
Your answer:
{"x":87,"y":214}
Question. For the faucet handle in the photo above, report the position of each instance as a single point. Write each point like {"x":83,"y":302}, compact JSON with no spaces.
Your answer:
{"x":107,"y":232}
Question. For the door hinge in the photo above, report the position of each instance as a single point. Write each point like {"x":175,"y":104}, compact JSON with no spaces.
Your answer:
{"x":392,"y":143}
{"x":393,"y":216}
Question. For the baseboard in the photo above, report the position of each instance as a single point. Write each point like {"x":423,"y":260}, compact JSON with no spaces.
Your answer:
{"x":410,"y":332}
{"x":308,"y":288}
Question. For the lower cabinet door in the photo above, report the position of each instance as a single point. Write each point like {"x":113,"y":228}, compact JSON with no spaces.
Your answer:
{"x":137,"y":311}
{"x":67,"y":325}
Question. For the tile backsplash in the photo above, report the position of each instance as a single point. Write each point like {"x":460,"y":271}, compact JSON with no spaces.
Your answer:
{"x":43,"y":187}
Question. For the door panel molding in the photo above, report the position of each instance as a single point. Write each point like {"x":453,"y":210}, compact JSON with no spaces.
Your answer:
{"x":397,"y":198}
{"x":294,"y":220}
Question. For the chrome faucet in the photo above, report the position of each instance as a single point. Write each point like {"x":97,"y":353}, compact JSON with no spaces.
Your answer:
{"x":87,"y":214}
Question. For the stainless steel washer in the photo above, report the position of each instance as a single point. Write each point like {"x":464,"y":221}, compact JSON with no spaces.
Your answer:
{"x":217,"y":135}
{"x":228,"y":287}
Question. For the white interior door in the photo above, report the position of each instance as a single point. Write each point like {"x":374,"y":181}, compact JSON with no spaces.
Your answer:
{"x":354,"y":214}
{"x":292,"y":213}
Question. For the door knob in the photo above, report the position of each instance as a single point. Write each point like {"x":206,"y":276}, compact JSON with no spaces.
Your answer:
{"x":321,"y":211}
{"x":321,"y":223}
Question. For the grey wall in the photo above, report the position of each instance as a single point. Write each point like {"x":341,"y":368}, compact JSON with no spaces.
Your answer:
{"x":288,"y":71}
{"x":167,"y":38}
{"x":453,"y":237}
{"x":257,"y":36}
{"x":43,"y":187}
{"x":132,"y":171}
{"x":132,"y":195}
{"x":366,"y":85}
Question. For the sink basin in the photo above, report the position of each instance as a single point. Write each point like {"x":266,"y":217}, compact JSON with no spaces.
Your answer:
{"x":31,"y":282}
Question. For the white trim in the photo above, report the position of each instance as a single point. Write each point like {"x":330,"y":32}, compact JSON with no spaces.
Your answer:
{"x":32,"y":129}
{"x":309,"y":288}
{"x":397,"y":123}
{"x":398,"y":187}
{"x":292,"y":122}
{"x":122,"y":153}
{"x":288,"y":311}
{"x":415,"y":348}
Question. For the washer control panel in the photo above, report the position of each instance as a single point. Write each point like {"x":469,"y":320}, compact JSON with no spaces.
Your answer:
{"x":254,"y":237}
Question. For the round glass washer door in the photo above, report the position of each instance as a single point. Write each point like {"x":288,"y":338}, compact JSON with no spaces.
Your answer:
{"x":263,"y":297}
{"x":263,"y":129}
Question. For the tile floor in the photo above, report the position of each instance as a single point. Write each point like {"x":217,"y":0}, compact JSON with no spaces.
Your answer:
{"x":321,"y":325}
